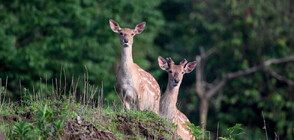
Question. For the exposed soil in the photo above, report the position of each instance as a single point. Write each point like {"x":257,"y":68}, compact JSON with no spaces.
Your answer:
{"x":148,"y":129}
{"x":132,"y":128}
{"x":28,"y":116}
{"x":12,"y":118}
{"x":84,"y":130}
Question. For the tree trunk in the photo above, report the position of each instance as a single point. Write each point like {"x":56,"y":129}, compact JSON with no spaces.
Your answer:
{"x":205,"y":91}
{"x":203,"y":113}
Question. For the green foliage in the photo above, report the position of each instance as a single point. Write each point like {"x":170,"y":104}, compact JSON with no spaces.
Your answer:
{"x":244,"y":33}
{"x":45,"y":122}
{"x":58,"y":126}
{"x":233,"y":132}
{"x":40,"y":40}
{"x":41,"y":126}
{"x":196,"y":131}
{"x":21,"y":130}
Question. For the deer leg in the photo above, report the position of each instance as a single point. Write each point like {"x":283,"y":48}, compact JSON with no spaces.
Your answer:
{"x":130,"y":99}
{"x":126,"y":101}
{"x":145,"y":102}
{"x":156,"y":107}
{"x":136,"y":101}
{"x":140,"y":104}
{"x":127,"y":105}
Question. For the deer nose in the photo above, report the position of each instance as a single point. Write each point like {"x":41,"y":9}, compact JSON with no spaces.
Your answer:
{"x":176,"y":78}
{"x":125,"y":40}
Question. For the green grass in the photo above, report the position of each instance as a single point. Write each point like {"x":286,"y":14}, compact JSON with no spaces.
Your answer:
{"x":44,"y":115}
{"x":46,"y":118}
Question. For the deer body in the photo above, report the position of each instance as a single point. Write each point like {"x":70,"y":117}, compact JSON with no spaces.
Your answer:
{"x":169,"y":110}
{"x":168,"y":101}
{"x":137,"y":88}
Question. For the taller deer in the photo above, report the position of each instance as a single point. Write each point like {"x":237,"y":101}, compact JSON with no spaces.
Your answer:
{"x":137,"y":88}
{"x":168,"y":101}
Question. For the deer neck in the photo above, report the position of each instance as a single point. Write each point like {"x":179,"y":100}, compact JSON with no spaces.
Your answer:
{"x":168,"y":102}
{"x":126,"y":57}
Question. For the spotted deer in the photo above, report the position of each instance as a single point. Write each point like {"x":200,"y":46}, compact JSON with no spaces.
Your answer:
{"x":137,"y":88}
{"x":168,"y":101}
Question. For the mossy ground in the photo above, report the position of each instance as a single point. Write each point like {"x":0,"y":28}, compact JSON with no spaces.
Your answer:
{"x":67,"y":119}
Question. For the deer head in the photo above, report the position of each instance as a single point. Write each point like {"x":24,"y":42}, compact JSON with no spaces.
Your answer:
{"x":126,"y":34}
{"x":175,"y":72}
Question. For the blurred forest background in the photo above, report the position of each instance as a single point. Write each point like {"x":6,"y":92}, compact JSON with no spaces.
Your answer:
{"x":245,"y":53}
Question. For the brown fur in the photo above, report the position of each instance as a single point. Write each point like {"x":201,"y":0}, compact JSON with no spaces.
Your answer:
{"x":168,"y":101}
{"x":137,"y":88}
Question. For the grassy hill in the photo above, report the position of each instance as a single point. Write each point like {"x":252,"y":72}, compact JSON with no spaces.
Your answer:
{"x":63,"y":112}
{"x":64,"y":118}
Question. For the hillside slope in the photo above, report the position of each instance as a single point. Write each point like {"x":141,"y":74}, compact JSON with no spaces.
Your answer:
{"x":67,"y":119}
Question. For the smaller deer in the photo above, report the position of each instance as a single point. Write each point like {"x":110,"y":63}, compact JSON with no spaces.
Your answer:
{"x":168,"y":101}
{"x":137,"y":88}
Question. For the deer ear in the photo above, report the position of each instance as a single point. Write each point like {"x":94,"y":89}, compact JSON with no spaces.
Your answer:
{"x":139,"y":28}
{"x":190,"y":67}
{"x":183,"y":62}
{"x":162,"y":63}
{"x":114,"y":26}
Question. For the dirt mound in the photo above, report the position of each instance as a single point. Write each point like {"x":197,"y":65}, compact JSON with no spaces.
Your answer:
{"x":28,"y":116}
{"x":129,"y":127}
{"x":147,"y":128}
{"x":83,"y":130}
{"x":11,"y":118}
{"x":113,"y":126}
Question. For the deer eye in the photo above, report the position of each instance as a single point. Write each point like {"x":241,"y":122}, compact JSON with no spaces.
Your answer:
{"x":120,"y":33}
{"x":132,"y":34}
{"x":183,"y":72}
{"x":170,"y":71}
